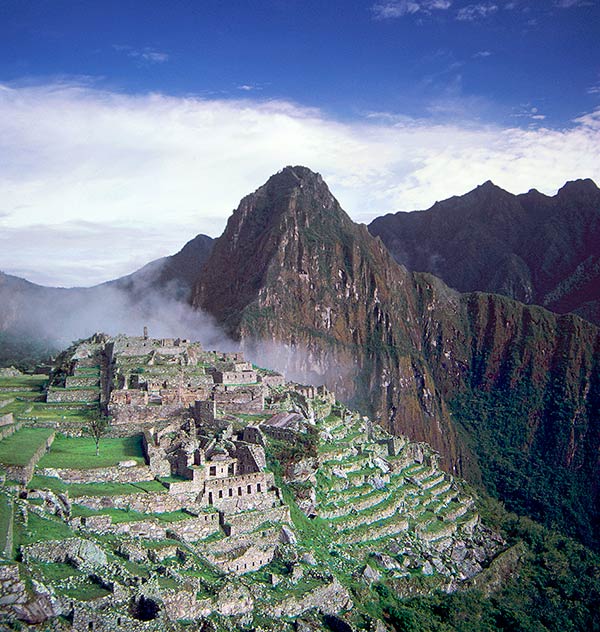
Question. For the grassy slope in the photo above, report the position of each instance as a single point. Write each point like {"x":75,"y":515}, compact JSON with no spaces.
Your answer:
{"x":80,"y":452}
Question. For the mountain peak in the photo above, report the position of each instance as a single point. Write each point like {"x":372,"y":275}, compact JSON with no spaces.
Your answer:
{"x":291,"y":182}
{"x":583,"y":186}
{"x":288,"y":214}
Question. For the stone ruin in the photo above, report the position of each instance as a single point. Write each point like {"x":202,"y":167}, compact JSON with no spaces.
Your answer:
{"x":211,"y":426}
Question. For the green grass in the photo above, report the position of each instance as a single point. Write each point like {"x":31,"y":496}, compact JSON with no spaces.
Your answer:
{"x":41,"y":529}
{"x":19,"y":448}
{"x":33,"y":382}
{"x":56,"y":571}
{"x":95,"y":489}
{"x":87,"y":591}
{"x":123,"y":515}
{"x":5,"y":520}
{"x":80,"y":452}
{"x":75,"y":413}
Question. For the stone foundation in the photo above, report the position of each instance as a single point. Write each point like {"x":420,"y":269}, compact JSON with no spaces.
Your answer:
{"x":115,"y":474}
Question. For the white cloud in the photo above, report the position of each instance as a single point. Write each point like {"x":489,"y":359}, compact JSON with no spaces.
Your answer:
{"x":482,"y":54}
{"x":94,"y":183}
{"x":146,"y":54}
{"x":474,"y":12}
{"x":389,"y":9}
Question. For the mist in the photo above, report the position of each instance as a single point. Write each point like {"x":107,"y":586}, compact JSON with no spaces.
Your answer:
{"x":55,"y":317}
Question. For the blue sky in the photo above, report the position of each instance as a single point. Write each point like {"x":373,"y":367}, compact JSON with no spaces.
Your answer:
{"x":143,"y":123}
{"x":498,"y":58}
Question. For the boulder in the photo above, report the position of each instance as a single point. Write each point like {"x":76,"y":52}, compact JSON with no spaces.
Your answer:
{"x":287,"y":536}
{"x":371,"y":574}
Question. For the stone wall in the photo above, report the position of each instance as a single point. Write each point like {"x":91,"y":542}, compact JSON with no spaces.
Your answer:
{"x":12,"y":589}
{"x":155,"y":502}
{"x":249,"y":561}
{"x":74,"y":395}
{"x":330,"y":599}
{"x":253,"y":434}
{"x":78,"y":381}
{"x":115,"y":474}
{"x":6,"y":431}
{"x":239,"y":493}
{"x":234,"y":377}
{"x":376,"y":532}
{"x":272,"y":380}
{"x":79,"y":552}
{"x":251,"y":458}
{"x":155,"y":455}
{"x":7,"y":545}
{"x":249,"y":521}
{"x":239,"y":399}
{"x":189,"y":530}
{"x":6,"y":419}
{"x":205,"y":411}
{"x":184,"y":605}
{"x":133,"y":414}
{"x":99,"y":617}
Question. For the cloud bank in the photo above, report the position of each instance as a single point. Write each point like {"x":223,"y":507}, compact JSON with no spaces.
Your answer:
{"x":94,"y":183}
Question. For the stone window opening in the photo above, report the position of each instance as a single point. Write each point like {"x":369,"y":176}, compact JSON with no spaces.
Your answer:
{"x":258,"y":487}
{"x":220,"y":493}
{"x":213,"y":470}
{"x":239,"y":491}
{"x":91,"y":625}
{"x":230,"y":491}
{"x":249,"y":489}
{"x":210,"y":498}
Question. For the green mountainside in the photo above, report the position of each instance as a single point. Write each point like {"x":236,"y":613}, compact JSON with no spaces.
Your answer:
{"x":507,"y":393}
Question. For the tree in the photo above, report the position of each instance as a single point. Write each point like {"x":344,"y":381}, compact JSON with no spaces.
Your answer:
{"x":97,"y":428}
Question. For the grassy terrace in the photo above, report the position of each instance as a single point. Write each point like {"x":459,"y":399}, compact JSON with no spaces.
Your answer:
{"x":19,"y":448}
{"x":58,"y":412}
{"x":123,"y":515}
{"x":31,"y":382}
{"x":41,"y":529}
{"x":95,"y":489}
{"x":87,"y":371}
{"x":80,"y":452}
{"x":86,"y":591}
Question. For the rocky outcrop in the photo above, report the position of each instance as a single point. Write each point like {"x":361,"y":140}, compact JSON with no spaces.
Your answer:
{"x":75,"y":551}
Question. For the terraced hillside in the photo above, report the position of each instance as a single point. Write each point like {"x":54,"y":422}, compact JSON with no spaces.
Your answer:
{"x":230,"y":516}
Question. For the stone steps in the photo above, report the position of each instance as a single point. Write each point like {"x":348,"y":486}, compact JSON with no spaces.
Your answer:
{"x":435,"y":479}
{"x":351,"y":505}
{"x":387,"y":527}
{"x":351,"y":465}
{"x":441,"y":488}
{"x":392,"y":503}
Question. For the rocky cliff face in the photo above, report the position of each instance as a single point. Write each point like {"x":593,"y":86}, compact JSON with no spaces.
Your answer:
{"x":291,"y":267}
{"x":531,"y":247}
{"x":497,"y":387}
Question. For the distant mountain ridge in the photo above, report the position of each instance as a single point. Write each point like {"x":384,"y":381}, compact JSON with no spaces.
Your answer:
{"x":532,"y":247}
{"x":36,"y":320}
